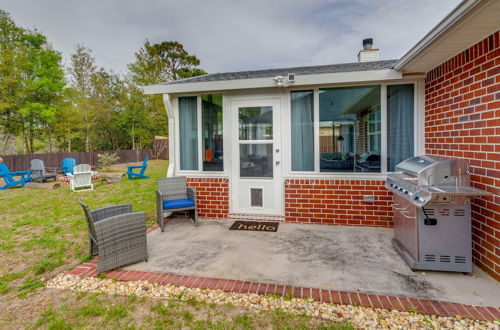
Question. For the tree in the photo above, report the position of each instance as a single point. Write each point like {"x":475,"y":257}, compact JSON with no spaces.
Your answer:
{"x":11,"y":78}
{"x":163,"y":62}
{"x":80,"y":74}
{"x":69,"y":121}
{"x":98,"y":110}
{"x":32,"y":81}
{"x":107,"y":107}
{"x":145,"y":115}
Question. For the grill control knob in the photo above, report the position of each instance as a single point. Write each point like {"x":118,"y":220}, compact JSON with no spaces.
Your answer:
{"x":406,"y":192}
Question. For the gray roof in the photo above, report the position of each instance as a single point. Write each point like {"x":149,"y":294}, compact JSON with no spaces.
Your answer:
{"x":304,"y":70}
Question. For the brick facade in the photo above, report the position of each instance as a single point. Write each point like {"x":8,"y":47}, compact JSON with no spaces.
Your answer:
{"x":212,"y":197}
{"x":338,"y":202}
{"x":462,"y":120}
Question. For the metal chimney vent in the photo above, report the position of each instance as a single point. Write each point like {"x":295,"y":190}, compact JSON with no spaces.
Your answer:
{"x":368,"y":53}
{"x":367,"y":43}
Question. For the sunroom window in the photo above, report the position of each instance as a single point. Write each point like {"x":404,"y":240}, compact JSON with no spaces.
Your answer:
{"x":205,"y":124}
{"x":400,"y":124}
{"x":302,"y":130}
{"x":350,"y":129}
{"x":188,"y":133}
{"x":211,"y":107}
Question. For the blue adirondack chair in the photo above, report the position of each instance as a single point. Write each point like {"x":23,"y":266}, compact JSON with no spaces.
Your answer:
{"x":130,"y":170}
{"x":10,"y":181}
{"x":68,"y":165}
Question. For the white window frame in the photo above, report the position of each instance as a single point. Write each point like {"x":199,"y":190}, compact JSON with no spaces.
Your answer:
{"x":419,"y":116}
{"x":200,"y":172}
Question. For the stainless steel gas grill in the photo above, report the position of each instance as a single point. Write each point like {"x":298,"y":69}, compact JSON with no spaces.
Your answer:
{"x":432,"y":214}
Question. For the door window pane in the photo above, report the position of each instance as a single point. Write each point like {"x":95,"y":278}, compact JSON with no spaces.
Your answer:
{"x":400,"y":129}
{"x":211,"y":121}
{"x":188,"y":133}
{"x":255,"y":123}
{"x":302,"y":130}
{"x":349,"y":129}
{"x":256,"y":160}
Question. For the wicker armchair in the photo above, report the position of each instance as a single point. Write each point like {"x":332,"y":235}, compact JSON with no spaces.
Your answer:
{"x":173,"y":195}
{"x":117,"y":235}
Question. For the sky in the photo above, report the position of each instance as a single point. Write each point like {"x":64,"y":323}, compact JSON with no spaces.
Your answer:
{"x":232,"y":35}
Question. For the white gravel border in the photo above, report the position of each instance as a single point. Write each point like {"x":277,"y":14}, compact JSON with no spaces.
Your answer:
{"x":359,"y":317}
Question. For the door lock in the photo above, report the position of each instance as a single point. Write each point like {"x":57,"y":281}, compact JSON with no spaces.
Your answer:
{"x":277,"y":150}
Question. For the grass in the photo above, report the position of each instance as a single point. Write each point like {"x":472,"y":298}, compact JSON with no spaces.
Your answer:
{"x":43,"y":232}
{"x":105,"y":311}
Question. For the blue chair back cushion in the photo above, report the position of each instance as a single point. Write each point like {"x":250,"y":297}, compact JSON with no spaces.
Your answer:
{"x":177,"y":204}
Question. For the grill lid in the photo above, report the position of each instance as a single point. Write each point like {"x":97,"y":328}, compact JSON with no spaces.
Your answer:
{"x":432,"y":170}
{"x":425,"y":179}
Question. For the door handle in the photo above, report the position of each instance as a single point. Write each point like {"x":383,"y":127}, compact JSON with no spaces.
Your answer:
{"x":277,"y":162}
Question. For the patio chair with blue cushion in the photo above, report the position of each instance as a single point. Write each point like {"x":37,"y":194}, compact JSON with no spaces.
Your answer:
{"x":68,"y":165}
{"x":9,"y":177}
{"x":130,"y":170}
{"x":173,"y":195}
{"x":40,"y":172}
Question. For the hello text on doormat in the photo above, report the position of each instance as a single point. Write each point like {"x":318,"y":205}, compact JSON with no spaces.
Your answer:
{"x":255,"y":226}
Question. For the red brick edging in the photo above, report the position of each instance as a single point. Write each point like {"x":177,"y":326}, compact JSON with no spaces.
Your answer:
{"x":424,"y":306}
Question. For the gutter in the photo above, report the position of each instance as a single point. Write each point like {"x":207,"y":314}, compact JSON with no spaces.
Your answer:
{"x":453,"y":17}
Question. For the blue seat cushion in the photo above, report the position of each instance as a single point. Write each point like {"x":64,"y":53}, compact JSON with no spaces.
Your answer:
{"x":177,"y":204}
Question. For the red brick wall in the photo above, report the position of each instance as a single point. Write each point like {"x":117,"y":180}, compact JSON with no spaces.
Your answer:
{"x":338,"y":202}
{"x":212,"y":197}
{"x":462,"y":120}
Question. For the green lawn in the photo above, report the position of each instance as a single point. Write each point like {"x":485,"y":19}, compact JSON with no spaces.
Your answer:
{"x":43,"y":232}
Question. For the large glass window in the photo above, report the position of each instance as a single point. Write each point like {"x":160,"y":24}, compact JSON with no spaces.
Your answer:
{"x":349,"y":124}
{"x":188,"y":133}
{"x":211,"y":122}
{"x":302,"y":130}
{"x":400,"y":124}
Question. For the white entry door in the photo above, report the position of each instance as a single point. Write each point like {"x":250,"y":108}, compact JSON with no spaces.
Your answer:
{"x":256,"y":186}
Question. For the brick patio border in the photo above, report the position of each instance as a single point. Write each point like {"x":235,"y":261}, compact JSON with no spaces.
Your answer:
{"x":424,"y":306}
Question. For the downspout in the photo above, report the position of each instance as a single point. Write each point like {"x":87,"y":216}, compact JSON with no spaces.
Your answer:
{"x":171,"y":135}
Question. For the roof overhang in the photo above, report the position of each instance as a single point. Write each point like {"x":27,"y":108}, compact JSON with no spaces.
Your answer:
{"x":303,"y":80}
{"x":470,"y":22}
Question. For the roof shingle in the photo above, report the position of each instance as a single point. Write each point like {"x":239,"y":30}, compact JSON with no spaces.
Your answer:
{"x":304,"y":70}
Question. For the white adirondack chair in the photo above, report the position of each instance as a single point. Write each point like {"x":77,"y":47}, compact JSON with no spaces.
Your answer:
{"x":81,"y":178}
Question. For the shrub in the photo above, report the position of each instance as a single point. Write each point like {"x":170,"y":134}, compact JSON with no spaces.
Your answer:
{"x":107,"y":159}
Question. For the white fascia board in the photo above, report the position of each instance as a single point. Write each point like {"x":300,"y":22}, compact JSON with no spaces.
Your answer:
{"x":453,"y":17}
{"x":303,"y":80}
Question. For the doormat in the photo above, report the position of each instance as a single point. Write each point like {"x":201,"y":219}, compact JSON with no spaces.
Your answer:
{"x":255,"y":226}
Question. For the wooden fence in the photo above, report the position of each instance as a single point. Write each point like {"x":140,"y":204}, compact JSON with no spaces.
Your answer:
{"x":23,"y":162}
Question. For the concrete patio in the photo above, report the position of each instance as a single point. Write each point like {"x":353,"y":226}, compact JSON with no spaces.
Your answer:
{"x":328,"y":257}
